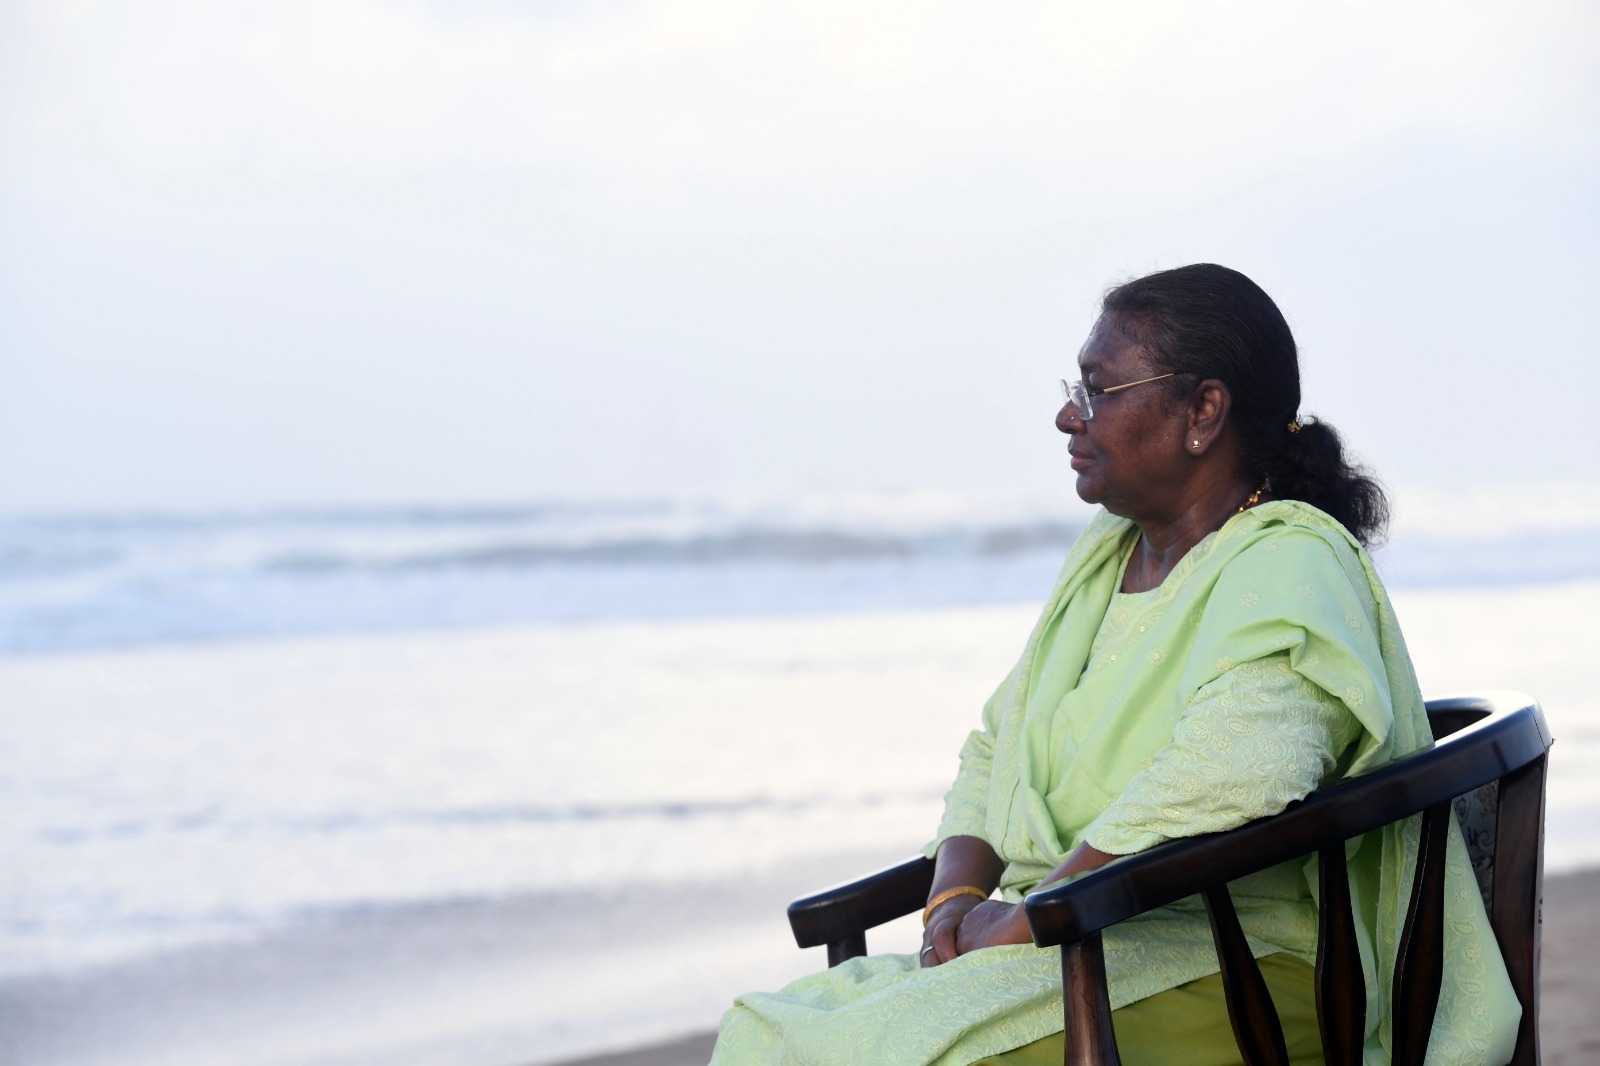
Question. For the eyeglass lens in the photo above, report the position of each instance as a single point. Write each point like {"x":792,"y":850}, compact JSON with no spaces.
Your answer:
{"x":1078,"y":396}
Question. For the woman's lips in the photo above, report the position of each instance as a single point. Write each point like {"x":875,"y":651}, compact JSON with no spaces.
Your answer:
{"x":1079,"y":461}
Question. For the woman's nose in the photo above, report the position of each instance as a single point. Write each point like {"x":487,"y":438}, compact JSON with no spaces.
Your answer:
{"x":1068,"y":419}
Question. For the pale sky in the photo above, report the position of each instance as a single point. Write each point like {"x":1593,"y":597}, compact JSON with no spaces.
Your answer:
{"x":325,"y":251}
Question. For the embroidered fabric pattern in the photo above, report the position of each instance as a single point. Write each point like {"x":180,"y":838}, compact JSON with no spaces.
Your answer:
{"x":1257,"y":739}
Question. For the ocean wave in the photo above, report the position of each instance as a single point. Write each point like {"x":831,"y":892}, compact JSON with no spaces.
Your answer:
{"x":310,"y":542}
{"x":354,"y":822}
{"x":745,"y":545}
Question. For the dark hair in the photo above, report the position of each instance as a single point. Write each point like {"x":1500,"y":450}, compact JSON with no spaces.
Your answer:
{"x":1214,"y":322}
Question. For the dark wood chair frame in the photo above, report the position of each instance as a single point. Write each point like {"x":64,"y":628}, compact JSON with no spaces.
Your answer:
{"x":1497,"y":741}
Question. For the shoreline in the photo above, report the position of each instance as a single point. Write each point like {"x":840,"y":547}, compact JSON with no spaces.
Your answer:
{"x":1569,"y":986}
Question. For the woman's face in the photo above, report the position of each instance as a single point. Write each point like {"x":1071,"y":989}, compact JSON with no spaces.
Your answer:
{"x":1130,"y":456}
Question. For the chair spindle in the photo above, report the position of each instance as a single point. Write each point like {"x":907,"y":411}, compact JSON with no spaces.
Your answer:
{"x":1255,"y":1020}
{"x":1341,"y":986}
{"x":1419,"y":963}
{"x":1519,"y":894}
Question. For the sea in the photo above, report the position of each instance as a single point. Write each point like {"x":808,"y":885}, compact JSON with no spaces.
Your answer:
{"x":284,"y":769}
{"x":83,"y":582}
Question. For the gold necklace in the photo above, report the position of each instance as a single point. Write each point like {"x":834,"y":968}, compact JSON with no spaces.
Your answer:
{"x":1255,"y":498}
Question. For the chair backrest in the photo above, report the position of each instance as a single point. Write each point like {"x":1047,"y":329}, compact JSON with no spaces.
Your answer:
{"x":1498,"y":740}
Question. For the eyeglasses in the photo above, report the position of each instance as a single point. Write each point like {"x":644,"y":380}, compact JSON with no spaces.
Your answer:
{"x":1080,"y":396}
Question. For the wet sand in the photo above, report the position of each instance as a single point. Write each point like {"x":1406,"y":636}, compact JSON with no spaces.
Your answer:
{"x":1570,"y":970}
{"x":1570,"y":986}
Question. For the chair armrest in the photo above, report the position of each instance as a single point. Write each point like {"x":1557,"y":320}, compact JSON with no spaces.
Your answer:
{"x":848,"y":910}
{"x":1475,"y":755}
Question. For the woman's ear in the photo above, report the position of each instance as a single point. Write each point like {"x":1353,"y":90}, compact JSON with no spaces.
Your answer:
{"x":1208,"y":411}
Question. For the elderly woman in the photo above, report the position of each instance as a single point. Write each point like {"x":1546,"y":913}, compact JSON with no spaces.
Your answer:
{"x":1217,"y":646}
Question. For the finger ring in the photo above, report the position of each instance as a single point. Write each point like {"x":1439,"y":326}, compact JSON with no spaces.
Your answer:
{"x":927,"y":949}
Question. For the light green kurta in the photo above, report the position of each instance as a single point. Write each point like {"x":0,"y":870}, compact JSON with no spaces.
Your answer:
{"x":1268,"y":662}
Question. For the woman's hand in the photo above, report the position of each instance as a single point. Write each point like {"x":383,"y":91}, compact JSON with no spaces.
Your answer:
{"x":939,"y":939}
{"x":963,"y":863}
{"x":990,"y":924}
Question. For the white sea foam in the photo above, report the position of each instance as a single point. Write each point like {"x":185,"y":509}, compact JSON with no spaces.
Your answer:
{"x":1496,"y":510}
{"x":182,"y":793}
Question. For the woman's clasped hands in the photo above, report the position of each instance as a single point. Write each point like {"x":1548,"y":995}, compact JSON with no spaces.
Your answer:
{"x":962,"y":921}
{"x":966,"y":923}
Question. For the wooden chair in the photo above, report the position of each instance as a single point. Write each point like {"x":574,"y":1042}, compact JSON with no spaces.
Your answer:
{"x":1488,"y":768}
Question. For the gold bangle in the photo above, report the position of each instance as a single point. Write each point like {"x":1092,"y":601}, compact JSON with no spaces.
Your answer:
{"x":950,"y":894}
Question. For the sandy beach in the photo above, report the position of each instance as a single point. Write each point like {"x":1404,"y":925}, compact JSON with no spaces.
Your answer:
{"x":1570,"y":987}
